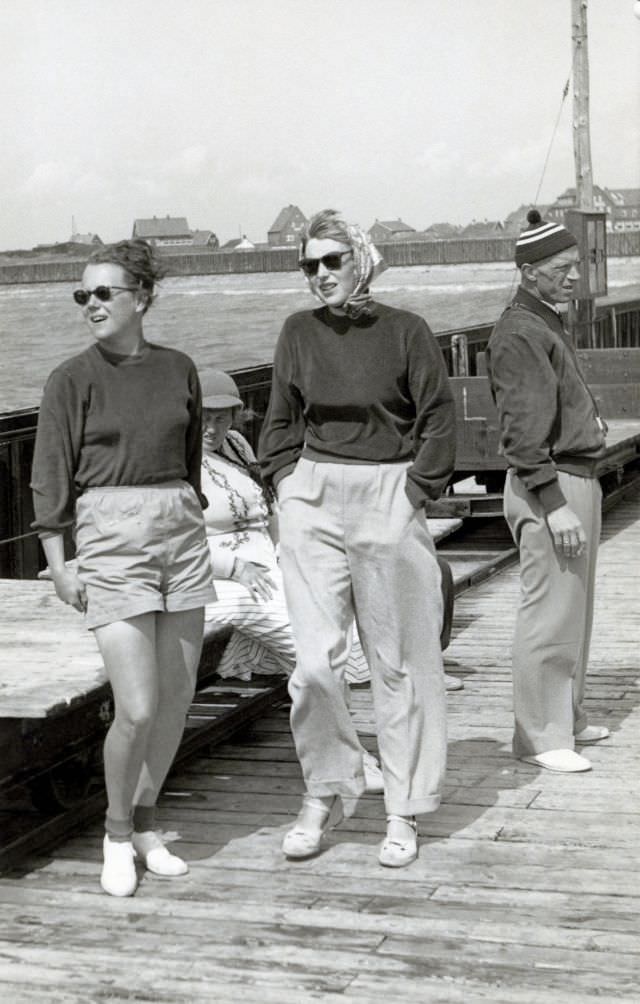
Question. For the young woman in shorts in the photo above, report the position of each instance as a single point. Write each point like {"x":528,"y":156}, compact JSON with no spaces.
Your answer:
{"x":117,"y":458}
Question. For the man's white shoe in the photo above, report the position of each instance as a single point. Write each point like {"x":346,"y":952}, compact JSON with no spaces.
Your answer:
{"x":560,"y":761}
{"x":452,"y":682}
{"x":592,"y":734}
{"x":373,"y":779}
{"x":118,"y":876}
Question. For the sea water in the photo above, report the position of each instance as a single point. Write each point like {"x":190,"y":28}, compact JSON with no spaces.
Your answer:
{"x":233,"y":321}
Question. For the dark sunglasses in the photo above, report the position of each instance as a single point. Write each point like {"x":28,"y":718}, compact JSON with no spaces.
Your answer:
{"x":332,"y":262}
{"x":103,"y":293}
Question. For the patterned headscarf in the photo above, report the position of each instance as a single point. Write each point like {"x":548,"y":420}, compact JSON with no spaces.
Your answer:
{"x":368,"y":264}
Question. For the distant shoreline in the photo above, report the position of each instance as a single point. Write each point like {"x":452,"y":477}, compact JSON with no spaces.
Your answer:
{"x":40,"y":267}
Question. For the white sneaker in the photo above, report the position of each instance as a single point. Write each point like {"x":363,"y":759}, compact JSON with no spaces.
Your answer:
{"x":592,"y":734}
{"x":118,"y":876}
{"x":560,"y":761}
{"x":373,"y":779}
{"x":452,"y":682}
{"x":155,"y":856}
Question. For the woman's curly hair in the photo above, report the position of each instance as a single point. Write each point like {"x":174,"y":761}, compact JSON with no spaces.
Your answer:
{"x":138,"y":258}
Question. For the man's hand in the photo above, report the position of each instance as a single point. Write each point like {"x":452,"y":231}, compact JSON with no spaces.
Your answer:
{"x":569,"y":538}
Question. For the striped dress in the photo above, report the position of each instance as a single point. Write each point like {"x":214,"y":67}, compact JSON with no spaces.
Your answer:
{"x":237,"y":523}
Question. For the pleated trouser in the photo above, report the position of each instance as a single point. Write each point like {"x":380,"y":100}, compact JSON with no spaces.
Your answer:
{"x":351,"y":543}
{"x":554,"y":620}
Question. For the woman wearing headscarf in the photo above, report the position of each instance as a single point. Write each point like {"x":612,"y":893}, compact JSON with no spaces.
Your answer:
{"x":359,"y":433}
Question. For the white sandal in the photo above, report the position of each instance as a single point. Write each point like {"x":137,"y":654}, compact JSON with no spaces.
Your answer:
{"x":301,"y":841}
{"x":396,"y":853}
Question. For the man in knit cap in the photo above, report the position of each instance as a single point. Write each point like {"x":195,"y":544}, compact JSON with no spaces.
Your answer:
{"x":552,"y":438}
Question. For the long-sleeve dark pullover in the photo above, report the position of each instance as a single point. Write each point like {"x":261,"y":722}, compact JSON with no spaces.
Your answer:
{"x":548,"y":417}
{"x":107,"y":419}
{"x":372,"y":390}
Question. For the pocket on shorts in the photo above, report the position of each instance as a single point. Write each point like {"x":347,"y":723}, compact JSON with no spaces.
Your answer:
{"x":114,"y":512}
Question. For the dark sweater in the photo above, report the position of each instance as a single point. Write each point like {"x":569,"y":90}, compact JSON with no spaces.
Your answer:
{"x":107,"y":419}
{"x":548,"y":417}
{"x":372,"y":390}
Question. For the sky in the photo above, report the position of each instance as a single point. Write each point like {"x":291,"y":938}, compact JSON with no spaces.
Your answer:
{"x":224,"y":111}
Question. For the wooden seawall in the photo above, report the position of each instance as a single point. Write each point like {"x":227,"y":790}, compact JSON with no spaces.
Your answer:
{"x":68,"y":267}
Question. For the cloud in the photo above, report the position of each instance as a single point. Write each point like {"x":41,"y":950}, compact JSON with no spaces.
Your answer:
{"x":193,"y":160}
{"x":439,"y":159}
{"x":46,"y":179}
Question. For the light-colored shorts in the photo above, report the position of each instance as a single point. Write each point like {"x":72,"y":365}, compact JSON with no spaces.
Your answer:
{"x":140,"y":549}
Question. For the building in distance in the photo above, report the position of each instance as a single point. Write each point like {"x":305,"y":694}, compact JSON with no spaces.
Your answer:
{"x":173,"y":231}
{"x":621,"y":205}
{"x":284,"y":232}
{"x":205,"y":239}
{"x":239,"y":244}
{"x":383,"y":231}
{"x":90,"y":239}
{"x":482,"y":229}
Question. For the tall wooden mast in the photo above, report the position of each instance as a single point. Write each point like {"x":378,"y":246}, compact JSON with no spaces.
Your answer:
{"x":588,"y":226}
{"x":581,"y":134}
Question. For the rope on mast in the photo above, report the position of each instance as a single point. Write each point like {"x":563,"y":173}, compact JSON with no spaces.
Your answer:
{"x":553,"y":136}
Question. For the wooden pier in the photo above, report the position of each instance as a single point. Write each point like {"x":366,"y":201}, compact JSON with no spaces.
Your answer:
{"x":526,"y":889}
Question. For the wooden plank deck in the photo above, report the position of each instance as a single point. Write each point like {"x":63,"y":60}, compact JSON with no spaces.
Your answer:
{"x":526,"y":889}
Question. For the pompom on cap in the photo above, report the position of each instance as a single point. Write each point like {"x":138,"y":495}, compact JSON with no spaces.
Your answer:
{"x":541,"y":239}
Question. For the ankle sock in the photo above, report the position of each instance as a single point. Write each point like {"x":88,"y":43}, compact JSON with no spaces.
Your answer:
{"x":143,"y":818}
{"x":118,"y":830}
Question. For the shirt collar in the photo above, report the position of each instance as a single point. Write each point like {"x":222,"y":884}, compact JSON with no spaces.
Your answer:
{"x":546,"y":311}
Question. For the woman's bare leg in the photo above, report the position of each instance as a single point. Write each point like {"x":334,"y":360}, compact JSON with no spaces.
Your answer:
{"x":178,"y":648}
{"x":128,"y":650}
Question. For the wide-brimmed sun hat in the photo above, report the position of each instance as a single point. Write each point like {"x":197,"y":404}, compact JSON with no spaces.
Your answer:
{"x":219,"y":390}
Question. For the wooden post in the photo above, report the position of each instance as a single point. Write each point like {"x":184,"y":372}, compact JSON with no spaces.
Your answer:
{"x":582,"y":312}
{"x":581,"y":134}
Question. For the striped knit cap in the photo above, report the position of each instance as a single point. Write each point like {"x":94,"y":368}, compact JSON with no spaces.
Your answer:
{"x":541,"y":240}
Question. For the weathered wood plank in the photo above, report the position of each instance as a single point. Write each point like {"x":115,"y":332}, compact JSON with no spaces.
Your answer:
{"x":527,"y":886}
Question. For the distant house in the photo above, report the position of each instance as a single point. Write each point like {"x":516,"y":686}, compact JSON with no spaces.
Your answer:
{"x":483,"y":229}
{"x":625,"y":208}
{"x":239,"y":244}
{"x":285,"y":230}
{"x":164,"y":231}
{"x":516,"y":221}
{"x":85,"y":239}
{"x":568,"y":200}
{"x":204,"y":239}
{"x":441,"y":232}
{"x":390,"y":230}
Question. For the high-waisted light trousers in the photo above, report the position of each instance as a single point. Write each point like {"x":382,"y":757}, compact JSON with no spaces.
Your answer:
{"x":553,"y":625}
{"x":351,"y":543}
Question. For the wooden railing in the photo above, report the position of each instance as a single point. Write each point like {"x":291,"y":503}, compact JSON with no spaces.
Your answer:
{"x":616,"y":326}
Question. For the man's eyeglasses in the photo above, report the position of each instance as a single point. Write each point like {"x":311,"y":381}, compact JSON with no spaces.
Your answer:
{"x":332,"y":262}
{"x":103,"y":293}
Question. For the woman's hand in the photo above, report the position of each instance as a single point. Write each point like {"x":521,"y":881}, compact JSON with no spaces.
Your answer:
{"x":70,"y":589}
{"x":68,"y":586}
{"x":255,"y":578}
